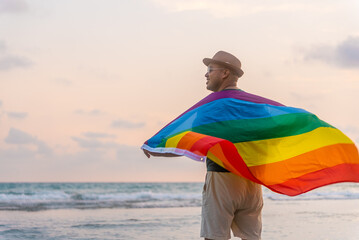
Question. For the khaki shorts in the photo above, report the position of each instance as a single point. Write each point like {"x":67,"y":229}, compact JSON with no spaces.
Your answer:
{"x":231,"y":202}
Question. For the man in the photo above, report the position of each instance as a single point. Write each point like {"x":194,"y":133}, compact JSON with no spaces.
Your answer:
{"x":228,"y":200}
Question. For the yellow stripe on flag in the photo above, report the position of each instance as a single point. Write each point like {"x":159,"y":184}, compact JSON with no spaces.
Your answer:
{"x":214,"y":158}
{"x":267,"y":151}
{"x":173,"y":141}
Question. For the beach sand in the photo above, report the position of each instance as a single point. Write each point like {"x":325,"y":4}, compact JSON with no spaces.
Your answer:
{"x":311,"y":220}
{"x":293,"y":220}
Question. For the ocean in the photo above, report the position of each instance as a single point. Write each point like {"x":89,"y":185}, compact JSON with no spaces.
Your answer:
{"x":121,"y":210}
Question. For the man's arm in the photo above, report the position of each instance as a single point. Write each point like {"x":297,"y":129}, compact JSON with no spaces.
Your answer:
{"x":155,"y":154}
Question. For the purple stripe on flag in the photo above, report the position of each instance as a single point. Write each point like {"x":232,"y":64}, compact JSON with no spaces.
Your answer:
{"x":236,"y":94}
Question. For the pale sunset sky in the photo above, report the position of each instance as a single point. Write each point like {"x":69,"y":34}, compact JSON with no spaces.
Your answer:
{"x":84,"y":83}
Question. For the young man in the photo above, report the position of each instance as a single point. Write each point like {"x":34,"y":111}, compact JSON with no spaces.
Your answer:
{"x":228,"y":200}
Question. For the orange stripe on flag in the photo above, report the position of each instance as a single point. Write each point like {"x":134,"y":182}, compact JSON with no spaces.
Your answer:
{"x":189,"y":139}
{"x":340,"y":173}
{"x":312,"y":161}
{"x":216,"y":154}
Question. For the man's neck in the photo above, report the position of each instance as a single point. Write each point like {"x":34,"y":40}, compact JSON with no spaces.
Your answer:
{"x":234,"y":87}
{"x":228,"y":88}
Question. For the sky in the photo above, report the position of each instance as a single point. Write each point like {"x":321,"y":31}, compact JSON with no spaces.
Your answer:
{"x":84,"y":83}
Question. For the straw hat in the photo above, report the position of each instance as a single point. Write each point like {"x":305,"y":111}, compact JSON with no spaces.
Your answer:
{"x":227,"y":60}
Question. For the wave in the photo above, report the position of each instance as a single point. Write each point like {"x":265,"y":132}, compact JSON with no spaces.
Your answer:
{"x":61,"y":200}
{"x":36,"y":196}
{"x":315,"y":196}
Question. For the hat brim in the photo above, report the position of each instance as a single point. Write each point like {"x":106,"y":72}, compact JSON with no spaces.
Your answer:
{"x":236,"y":70}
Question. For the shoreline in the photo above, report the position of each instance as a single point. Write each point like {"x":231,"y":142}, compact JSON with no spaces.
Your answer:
{"x":292,"y":220}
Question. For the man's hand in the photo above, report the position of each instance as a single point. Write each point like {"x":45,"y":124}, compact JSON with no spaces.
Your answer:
{"x":155,"y":154}
{"x":147,"y":153}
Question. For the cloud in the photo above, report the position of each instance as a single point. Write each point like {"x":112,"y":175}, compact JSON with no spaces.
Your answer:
{"x":20,"y":138}
{"x":13,"y":6}
{"x":98,"y":135}
{"x":348,"y":52}
{"x":2,"y":46}
{"x":88,"y":143}
{"x":63,"y":81}
{"x":94,"y":112}
{"x":18,"y":153}
{"x":345,"y":54}
{"x":91,"y":143}
{"x":17,"y":115}
{"x":95,"y":141}
{"x":127,"y":124}
{"x":43,"y":148}
{"x":9,"y":62}
{"x":16,"y":136}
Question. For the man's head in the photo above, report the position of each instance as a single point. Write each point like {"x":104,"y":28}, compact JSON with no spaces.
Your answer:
{"x":224,"y":69}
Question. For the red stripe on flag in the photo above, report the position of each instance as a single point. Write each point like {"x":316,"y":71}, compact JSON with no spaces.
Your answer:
{"x":202,"y":145}
{"x":235,"y":161}
{"x":340,"y":173}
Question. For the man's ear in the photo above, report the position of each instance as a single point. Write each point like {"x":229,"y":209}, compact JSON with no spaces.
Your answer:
{"x":226,"y":73}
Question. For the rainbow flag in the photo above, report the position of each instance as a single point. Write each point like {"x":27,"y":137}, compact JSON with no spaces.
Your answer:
{"x":288,"y":150}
